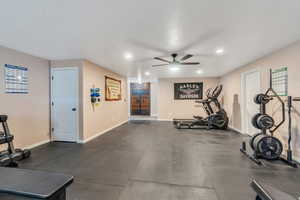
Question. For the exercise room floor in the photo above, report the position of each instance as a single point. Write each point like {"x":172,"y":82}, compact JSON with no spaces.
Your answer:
{"x":150,"y":160}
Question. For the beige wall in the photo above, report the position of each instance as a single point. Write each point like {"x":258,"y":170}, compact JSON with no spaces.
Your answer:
{"x":109,"y":113}
{"x":29,"y":116}
{"x":168,"y":108}
{"x":289,"y":57}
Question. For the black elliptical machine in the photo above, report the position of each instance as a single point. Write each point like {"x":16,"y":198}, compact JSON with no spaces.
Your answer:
{"x":215,"y":119}
{"x":10,"y":157}
{"x":264,"y":145}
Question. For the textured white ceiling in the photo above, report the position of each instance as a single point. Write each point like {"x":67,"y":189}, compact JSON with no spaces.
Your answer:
{"x":103,"y":31}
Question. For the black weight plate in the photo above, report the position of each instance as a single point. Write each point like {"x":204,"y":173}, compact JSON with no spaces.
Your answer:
{"x":252,"y":140}
{"x":261,"y":99}
{"x":264,"y":122}
{"x":254,"y":120}
{"x":256,"y":99}
{"x":268,"y":147}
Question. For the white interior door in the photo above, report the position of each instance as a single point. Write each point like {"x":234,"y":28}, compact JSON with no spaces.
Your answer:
{"x":250,"y":87}
{"x":64,"y":112}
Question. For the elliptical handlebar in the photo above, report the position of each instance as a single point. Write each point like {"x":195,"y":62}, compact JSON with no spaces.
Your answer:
{"x":214,"y":93}
{"x":208,"y":91}
{"x":217,"y":91}
{"x":211,"y":94}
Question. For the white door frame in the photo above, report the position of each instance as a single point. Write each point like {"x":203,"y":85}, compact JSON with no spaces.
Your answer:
{"x":77,"y":102}
{"x":243,"y":96}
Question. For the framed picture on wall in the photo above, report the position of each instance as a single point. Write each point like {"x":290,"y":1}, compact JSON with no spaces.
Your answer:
{"x":188,"y":91}
{"x":112,"y":89}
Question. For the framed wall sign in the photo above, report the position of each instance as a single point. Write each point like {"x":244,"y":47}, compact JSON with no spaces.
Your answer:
{"x":16,"y":79}
{"x":188,"y":91}
{"x":112,"y":89}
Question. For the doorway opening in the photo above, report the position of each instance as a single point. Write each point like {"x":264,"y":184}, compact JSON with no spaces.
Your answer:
{"x":250,"y":86}
{"x":140,"y":99}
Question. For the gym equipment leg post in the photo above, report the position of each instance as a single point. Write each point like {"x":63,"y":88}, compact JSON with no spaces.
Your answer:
{"x":251,"y":157}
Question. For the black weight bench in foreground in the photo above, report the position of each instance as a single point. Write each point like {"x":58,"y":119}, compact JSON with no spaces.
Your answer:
{"x":21,"y":184}
{"x":267,"y":192}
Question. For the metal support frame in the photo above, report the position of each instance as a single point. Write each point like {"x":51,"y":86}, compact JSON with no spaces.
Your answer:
{"x":253,"y":155}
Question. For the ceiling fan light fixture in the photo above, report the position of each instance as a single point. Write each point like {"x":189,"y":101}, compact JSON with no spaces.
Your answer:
{"x":199,"y":71}
{"x":128,"y":56}
{"x":220,"y":51}
{"x":174,"y":68}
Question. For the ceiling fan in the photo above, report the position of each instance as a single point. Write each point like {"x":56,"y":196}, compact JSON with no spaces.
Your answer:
{"x":176,"y":62}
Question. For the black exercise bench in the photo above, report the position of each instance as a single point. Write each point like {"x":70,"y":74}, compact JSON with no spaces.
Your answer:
{"x":23,"y":184}
{"x":267,"y":192}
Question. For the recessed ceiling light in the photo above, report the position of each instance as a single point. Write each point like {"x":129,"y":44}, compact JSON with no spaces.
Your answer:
{"x":128,"y":56}
{"x":174,"y":69}
{"x":220,"y":51}
{"x":147,"y":73}
{"x":199,"y":71}
{"x":139,"y":80}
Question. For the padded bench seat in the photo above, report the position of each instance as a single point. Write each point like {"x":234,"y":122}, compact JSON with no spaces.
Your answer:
{"x":17,"y":184}
{"x":267,"y":192}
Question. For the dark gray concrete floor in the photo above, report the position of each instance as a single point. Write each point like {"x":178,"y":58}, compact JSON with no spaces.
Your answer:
{"x":153,"y":160}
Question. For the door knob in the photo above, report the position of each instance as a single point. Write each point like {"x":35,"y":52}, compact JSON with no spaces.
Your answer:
{"x":73,"y":109}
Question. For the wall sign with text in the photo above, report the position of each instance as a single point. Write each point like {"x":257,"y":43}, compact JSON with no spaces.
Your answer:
{"x":188,"y":91}
{"x":112,"y":89}
{"x":16,"y":79}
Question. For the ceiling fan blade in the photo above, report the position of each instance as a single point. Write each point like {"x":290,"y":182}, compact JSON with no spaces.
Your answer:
{"x":190,"y":63}
{"x":161,"y":59}
{"x":160,"y":65}
{"x":186,"y":57}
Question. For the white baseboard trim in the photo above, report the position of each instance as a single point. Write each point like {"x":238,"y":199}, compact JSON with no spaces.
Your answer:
{"x":235,"y":129}
{"x":296,"y":158}
{"x":167,"y":120}
{"x":150,"y":118}
{"x":101,"y":133}
{"x":37,"y":144}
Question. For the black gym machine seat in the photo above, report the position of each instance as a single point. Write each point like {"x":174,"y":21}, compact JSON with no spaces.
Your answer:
{"x":267,"y":192}
{"x":21,"y":184}
{"x":9,"y":157}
